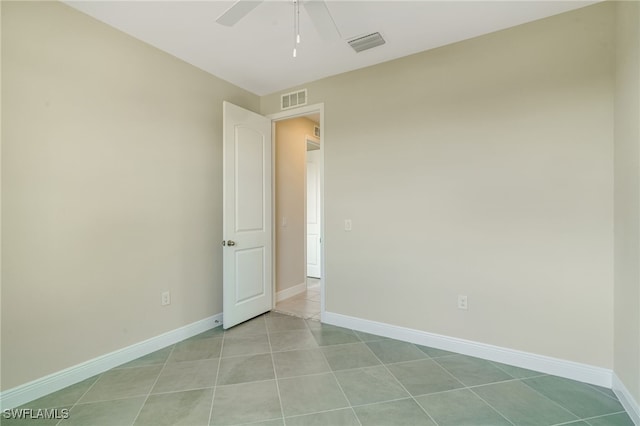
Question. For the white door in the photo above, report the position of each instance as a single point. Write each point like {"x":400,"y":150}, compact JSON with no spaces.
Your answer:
{"x":247,"y":290}
{"x":313,"y":214}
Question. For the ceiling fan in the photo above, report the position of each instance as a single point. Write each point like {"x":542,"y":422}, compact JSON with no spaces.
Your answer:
{"x":316,"y":9}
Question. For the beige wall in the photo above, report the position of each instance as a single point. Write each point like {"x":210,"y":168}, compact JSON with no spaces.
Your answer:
{"x":111,"y":187}
{"x":627,"y":198}
{"x":481,"y":168}
{"x":291,"y":149}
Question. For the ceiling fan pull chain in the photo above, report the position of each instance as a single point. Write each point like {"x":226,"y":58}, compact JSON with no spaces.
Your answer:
{"x":297,"y":21}
{"x":296,"y":26}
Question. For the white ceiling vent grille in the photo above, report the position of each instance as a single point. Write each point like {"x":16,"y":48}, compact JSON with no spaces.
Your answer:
{"x":366,"y":42}
{"x":293,"y":99}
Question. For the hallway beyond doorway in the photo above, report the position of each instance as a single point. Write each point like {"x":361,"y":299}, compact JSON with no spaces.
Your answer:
{"x":304,"y":305}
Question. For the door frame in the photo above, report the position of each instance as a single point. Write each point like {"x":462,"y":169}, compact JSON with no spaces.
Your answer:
{"x":285,"y":115}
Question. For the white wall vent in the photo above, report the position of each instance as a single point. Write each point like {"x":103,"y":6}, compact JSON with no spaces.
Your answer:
{"x":293,"y":99}
{"x":366,"y":42}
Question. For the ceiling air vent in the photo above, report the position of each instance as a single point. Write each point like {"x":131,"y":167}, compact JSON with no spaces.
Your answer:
{"x":293,"y":99}
{"x":366,"y":42}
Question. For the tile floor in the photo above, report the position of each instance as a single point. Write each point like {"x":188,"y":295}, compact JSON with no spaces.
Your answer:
{"x":282,"y":370}
{"x":303,"y":305}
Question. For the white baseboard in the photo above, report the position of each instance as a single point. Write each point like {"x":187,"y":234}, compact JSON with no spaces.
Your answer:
{"x":558,"y":367}
{"x":291,"y":291}
{"x":632,"y":406}
{"x":53,"y":382}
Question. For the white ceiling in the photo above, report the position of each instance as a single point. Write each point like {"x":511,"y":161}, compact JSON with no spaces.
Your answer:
{"x":256,"y":53}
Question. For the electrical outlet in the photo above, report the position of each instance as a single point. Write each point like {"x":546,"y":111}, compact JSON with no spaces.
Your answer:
{"x":462,"y":302}
{"x":347,"y":224}
{"x":166,"y":298}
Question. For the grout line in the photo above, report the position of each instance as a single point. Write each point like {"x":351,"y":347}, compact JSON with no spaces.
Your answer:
{"x":535,"y":377}
{"x":247,"y":383}
{"x":82,"y":396}
{"x":546,"y":397}
{"x":538,"y":373}
{"x":244,"y":355}
{"x":382,"y":402}
{"x":336,"y":377}
{"x":403,"y":387}
{"x":586,"y":419}
{"x":215,"y":385}
{"x":492,"y":383}
{"x":181,"y":390}
{"x":489,"y":405}
{"x":570,"y":422}
{"x":470,"y":388}
{"x":154,"y":384}
{"x":337,"y":344}
{"x":112,"y":399}
{"x":275,"y":376}
{"x":321,"y":412}
{"x":441,"y":356}
{"x":416,"y":360}
{"x":305,"y":375}
{"x":341,"y":344}
{"x":333,"y":373}
{"x":78,"y":403}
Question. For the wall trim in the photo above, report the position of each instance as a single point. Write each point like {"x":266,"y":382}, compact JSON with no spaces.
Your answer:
{"x":291,"y":291}
{"x":53,"y":382}
{"x":627,"y":401}
{"x":558,"y":367}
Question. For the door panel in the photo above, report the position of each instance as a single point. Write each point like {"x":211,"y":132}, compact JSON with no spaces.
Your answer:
{"x":247,"y":257}
{"x":313,"y":214}
{"x":249,"y":267}
{"x":249,"y":165}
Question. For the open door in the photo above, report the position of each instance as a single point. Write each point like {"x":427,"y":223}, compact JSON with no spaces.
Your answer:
{"x":247,"y":251}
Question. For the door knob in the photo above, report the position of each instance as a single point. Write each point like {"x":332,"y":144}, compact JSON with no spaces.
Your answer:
{"x":231,"y":243}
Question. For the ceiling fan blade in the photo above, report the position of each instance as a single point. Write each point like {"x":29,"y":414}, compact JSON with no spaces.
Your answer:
{"x":238,"y":11}
{"x":322,"y":20}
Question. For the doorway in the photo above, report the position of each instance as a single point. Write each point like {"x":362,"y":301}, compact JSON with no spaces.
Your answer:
{"x":298,"y":283}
